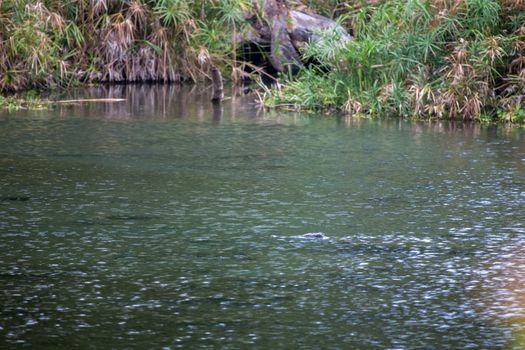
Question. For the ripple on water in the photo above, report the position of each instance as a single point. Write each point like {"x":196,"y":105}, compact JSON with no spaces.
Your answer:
{"x":183,"y":233}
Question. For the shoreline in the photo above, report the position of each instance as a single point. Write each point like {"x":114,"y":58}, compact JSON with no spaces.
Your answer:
{"x":32,"y":100}
{"x":460,"y":60}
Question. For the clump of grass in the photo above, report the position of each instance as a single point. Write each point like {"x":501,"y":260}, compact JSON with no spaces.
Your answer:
{"x":458,"y":59}
{"x":28,"y":100}
{"x":10,"y":103}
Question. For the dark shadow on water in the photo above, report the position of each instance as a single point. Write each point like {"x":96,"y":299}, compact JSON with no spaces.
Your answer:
{"x":131,"y":217}
{"x":218,"y":111}
{"x":14,"y":198}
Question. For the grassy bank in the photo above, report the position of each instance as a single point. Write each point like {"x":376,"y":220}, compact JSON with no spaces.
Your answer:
{"x":460,"y":59}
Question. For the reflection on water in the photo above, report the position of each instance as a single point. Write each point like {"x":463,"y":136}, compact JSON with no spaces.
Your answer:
{"x":149,"y":101}
{"x":164,"y":221}
{"x":500,"y":287}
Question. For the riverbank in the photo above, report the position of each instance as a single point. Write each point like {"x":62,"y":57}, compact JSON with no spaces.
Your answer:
{"x":458,"y":59}
{"x":435,"y":59}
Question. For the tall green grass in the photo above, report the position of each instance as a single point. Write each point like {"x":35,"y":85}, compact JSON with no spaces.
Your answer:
{"x":416,"y":58}
{"x":48,"y":43}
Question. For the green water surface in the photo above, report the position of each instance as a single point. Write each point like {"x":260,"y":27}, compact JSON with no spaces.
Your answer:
{"x":162,"y":223}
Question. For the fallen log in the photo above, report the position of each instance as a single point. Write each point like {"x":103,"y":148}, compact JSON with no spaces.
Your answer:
{"x":86,"y":100}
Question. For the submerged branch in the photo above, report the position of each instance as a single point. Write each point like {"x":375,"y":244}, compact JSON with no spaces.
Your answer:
{"x":86,"y":100}
{"x":218,"y":85}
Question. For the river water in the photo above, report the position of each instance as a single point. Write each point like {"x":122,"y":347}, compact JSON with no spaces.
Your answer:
{"x":160,"y":222}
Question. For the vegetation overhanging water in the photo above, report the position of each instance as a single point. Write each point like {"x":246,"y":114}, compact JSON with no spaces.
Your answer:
{"x":459,"y":59}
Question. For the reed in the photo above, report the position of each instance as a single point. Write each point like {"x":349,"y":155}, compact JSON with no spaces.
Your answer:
{"x":459,"y":59}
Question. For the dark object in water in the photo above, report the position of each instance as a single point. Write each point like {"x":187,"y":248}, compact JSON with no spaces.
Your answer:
{"x":314,"y":235}
{"x":14,"y":198}
{"x":218,"y":86}
{"x":130,"y":217}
